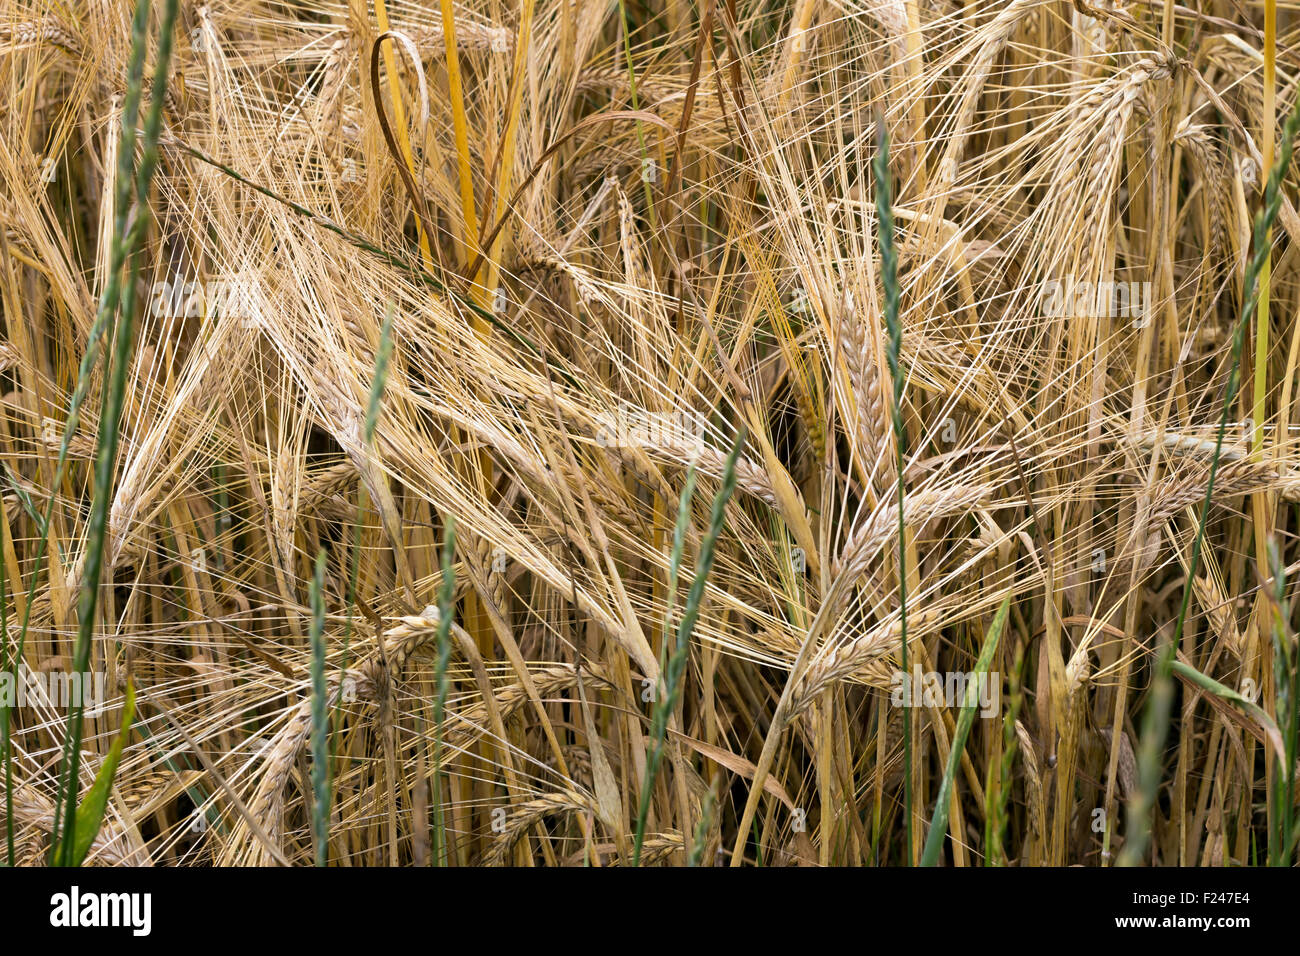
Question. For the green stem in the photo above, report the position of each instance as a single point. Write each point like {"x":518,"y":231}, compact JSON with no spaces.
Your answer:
{"x":894,"y":326}
{"x":124,"y":342}
{"x":1155,"y":723}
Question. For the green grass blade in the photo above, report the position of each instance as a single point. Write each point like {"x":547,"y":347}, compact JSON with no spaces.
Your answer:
{"x":1155,"y":723}
{"x":894,"y":327}
{"x":106,"y":457}
{"x":672,"y":676}
{"x":90,"y":815}
{"x":939,"y":822}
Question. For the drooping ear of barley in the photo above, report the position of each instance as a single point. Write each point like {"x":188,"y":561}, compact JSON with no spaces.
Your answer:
{"x":873,"y":308}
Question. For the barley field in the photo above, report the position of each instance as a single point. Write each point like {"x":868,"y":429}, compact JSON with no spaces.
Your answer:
{"x":567,"y":433}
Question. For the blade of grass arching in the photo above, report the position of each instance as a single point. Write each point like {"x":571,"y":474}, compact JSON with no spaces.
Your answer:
{"x":179,"y":764}
{"x":442,"y":683}
{"x":894,"y":327}
{"x":123,"y":348}
{"x":1155,"y":721}
{"x":24,"y":498}
{"x":672,"y":677}
{"x":399,"y":117}
{"x":320,"y":725}
{"x":939,"y":822}
{"x":1252,"y":710}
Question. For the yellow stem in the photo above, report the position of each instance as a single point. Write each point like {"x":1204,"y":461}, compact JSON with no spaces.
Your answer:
{"x":469,"y":238}
{"x":399,"y":116}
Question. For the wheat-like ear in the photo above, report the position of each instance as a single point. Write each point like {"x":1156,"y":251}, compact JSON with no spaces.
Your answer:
{"x":473,"y":300}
